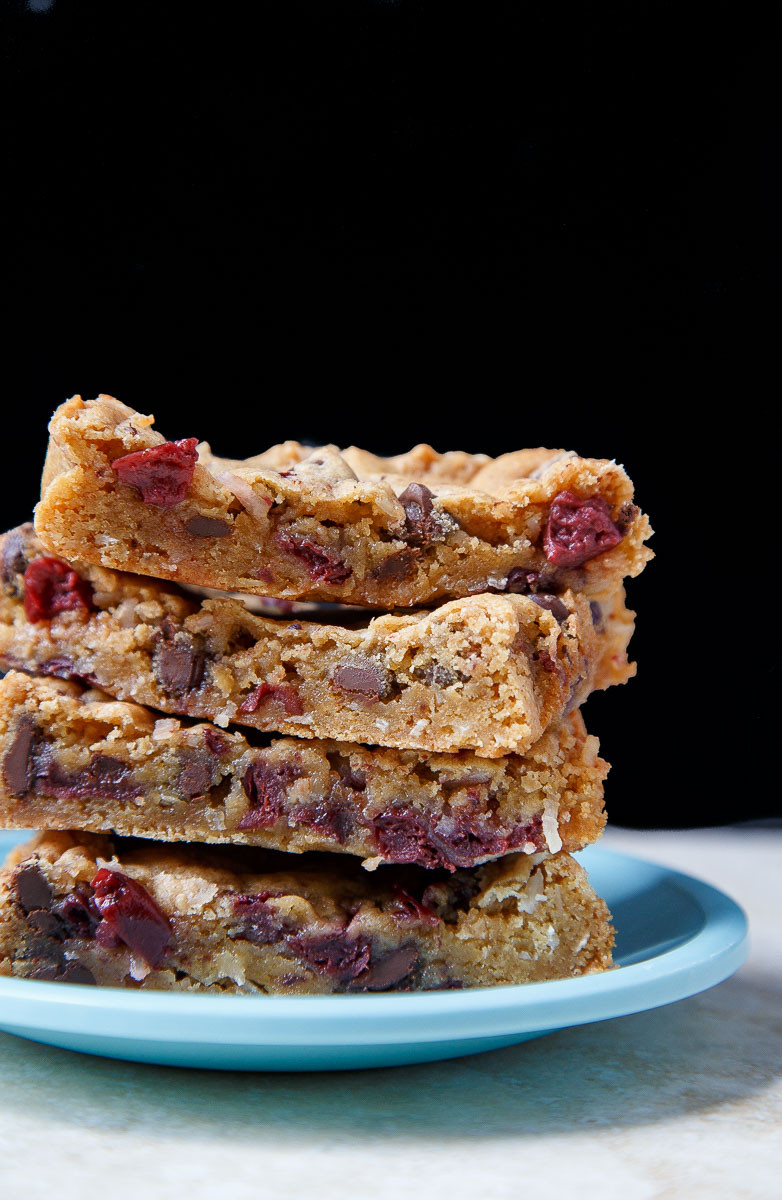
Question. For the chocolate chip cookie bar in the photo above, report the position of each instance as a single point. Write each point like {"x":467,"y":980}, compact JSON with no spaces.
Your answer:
{"x":327,"y":524}
{"x":489,"y":673}
{"x":88,"y":909}
{"x":74,"y":759}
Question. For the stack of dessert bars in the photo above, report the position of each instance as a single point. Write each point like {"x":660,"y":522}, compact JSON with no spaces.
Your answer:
{"x":307,"y":722}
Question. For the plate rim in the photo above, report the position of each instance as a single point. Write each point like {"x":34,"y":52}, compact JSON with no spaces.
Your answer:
{"x":710,"y":955}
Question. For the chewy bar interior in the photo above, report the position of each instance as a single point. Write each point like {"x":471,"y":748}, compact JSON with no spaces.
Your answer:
{"x":334,"y":524}
{"x":95,"y":910}
{"x":488,"y":673}
{"x":72,"y":758}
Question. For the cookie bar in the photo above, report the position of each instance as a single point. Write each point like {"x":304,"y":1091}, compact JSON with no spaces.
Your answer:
{"x":326,"y":524}
{"x":73,"y":759}
{"x":87,"y":909}
{"x":488,"y":673}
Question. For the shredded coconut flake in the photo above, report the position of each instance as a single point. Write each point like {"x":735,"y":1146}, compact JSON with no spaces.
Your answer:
{"x":551,"y":827}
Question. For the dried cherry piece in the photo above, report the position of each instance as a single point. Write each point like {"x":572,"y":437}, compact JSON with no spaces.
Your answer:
{"x":331,"y":820}
{"x":403,"y":837}
{"x":407,"y":908}
{"x":130,"y":914}
{"x":265,"y":786}
{"x":324,"y":564}
{"x":286,"y":693}
{"x":52,"y":586}
{"x":215,"y":742}
{"x":577,"y":529}
{"x":162,"y":473}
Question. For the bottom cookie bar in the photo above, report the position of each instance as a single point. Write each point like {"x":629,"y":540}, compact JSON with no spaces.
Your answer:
{"x":82,"y":908}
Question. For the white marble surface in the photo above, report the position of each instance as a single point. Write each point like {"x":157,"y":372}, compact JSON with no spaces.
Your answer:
{"x":684,"y":1101}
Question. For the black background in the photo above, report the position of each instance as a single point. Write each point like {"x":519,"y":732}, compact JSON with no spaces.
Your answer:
{"x":483,"y":225}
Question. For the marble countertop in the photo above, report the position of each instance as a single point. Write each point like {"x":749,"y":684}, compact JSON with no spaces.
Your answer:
{"x":683,"y":1101}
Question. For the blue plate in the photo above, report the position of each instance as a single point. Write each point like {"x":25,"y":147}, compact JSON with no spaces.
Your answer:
{"x":675,"y":936}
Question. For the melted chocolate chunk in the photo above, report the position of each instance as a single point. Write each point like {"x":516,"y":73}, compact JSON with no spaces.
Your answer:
{"x":162,"y":473}
{"x":436,"y":674}
{"x":105,"y":777}
{"x":179,"y":662}
{"x":396,"y":567}
{"x":196,"y":776}
{"x":370,"y":681}
{"x":424,"y":524}
{"x":74,"y":972}
{"x":207,"y":527}
{"x":14,"y":559}
{"x":131,"y":915}
{"x":32,"y":889}
{"x":335,"y":954}
{"x":262,"y":924}
{"x":389,"y":971}
{"x":625,"y":517}
{"x":18,"y":762}
{"x":553,"y":604}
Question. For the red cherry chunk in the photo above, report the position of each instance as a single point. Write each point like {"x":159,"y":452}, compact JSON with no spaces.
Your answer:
{"x":52,"y":586}
{"x":323,"y":563}
{"x":162,"y":474}
{"x":129,"y":913}
{"x":286,"y":693}
{"x":578,"y":529}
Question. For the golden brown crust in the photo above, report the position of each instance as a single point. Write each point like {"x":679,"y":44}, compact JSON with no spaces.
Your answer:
{"x":489,"y":673}
{"x":71,"y":758}
{"x":233,"y":922}
{"x":325,"y":524}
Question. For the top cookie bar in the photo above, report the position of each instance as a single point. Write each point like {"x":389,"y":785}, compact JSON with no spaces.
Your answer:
{"x":325,"y":524}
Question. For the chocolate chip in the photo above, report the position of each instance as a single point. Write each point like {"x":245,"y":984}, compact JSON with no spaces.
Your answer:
{"x":204,"y":527}
{"x":14,"y":559}
{"x":370,"y":681}
{"x":597,"y":615}
{"x":334,"y":954}
{"x":18,"y":761}
{"x":424,"y":524}
{"x":396,"y":567}
{"x":553,"y":604}
{"x":435,"y":674}
{"x":625,"y":517}
{"x":179,"y":662}
{"x":104,"y":776}
{"x":389,"y":971}
{"x":74,"y":972}
{"x":46,"y":923}
{"x":46,"y":971}
{"x":32,"y":889}
{"x":195,"y":777}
